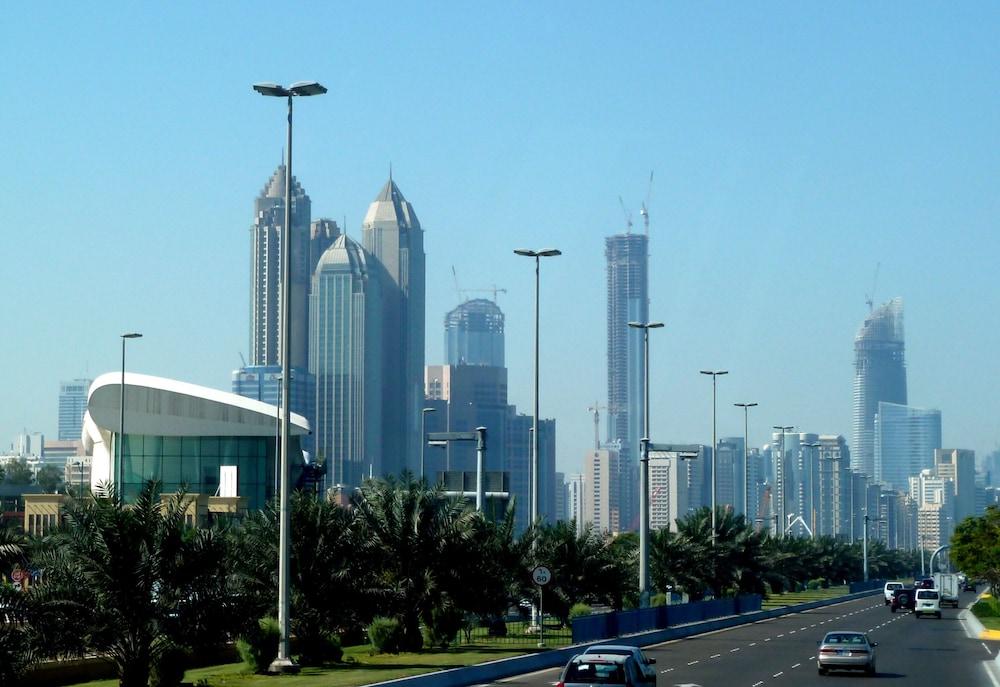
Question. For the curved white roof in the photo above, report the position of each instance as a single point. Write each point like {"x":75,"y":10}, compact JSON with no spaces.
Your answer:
{"x":167,"y":407}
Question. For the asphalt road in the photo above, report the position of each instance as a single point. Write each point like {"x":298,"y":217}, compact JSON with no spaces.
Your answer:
{"x":782,"y":652}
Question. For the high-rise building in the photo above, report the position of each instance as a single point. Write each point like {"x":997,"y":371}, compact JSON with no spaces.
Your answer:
{"x":519,"y":447}
{"x":879,"y":375}
{"x":677,"y":487}
{"x":905,"y":439}
{"x":473,"y":334}
{"x":345,"y":360}
{"x":628,"y":301}
{"x":833,"y":493}
{"x":575,"y":494}
{"x":729,"y":484}
{"x":959,"y":466}
{"x":72,"y":407}
{"x":601,"y":477}
{"x":391,"y":232}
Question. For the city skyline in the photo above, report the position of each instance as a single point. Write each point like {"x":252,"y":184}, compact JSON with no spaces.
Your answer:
{"x":756,"y":207}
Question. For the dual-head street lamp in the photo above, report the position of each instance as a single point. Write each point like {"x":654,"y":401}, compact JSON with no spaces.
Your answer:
{"x":120,"y":477}
{"x":283,"y":663}
{"x":746,"y":456}
{"x":780,"y":472}
{"x":715,"y":447}
{"x":537,"y":255}
{"x":644,"y":471}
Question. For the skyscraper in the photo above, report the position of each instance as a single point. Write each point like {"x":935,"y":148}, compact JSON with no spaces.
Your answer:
{"x":879,"y":375}
{"x":391,"y":233}
{"x":905,"y":439}
{"x":959,"y":466}
{"x":345,"y":359}
{"x":473,"y":334}
{"x":72,"y":406}
{"x":628,"y":301}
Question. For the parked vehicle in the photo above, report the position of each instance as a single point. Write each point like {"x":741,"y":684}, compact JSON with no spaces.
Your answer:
{"x":928,"y":603}
{"x":947,"y":586}
{"x":846,"y":651}
{"x":646,"y":664}
{"x":613,"y":670}
{"x":903,"y":599}
{"x":888,"y":589}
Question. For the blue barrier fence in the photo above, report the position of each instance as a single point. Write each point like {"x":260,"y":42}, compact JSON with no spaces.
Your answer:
{"x":868,"y":586}
{"x":599,"y":626}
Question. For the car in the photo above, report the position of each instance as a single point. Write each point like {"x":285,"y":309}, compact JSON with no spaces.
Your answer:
{"x":846,"y":650}
{"x":969,"y":585}
{"x":928,"y":603}
{"x":646,"y":664}
{"x":614,"y":670}
{"x":926,"y":583}
{"x":902,"y":599}
{"x":887,"y":590}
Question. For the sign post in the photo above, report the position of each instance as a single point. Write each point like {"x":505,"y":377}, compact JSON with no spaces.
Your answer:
{"x":541,"y":576}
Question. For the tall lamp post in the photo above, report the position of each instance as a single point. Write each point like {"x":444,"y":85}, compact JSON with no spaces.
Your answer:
{"x":812,"y":486}
{"x":283,"y":662}
{"x":537,"y":255}
{"x":715,"y":374}
{"x":780,"y":473}
{"x":423,"y":437}
{"x":864,"y":544}
{"x":644,"y":471}
{"x":746,"y":456}
{"x":120,"y":477}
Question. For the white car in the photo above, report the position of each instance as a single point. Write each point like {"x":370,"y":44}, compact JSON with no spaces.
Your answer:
{"x":887,"y":591}
{"x":928,"y":603}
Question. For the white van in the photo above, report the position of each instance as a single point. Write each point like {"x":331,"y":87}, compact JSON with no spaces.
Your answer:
{"x":928,"y":603}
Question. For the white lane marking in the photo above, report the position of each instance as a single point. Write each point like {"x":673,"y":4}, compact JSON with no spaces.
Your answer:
{"x":753,"y":643}
{"x":715,"y":655}
{"x":983,"y":643}
{"x":804,"y":627}
{"x":768,"y":639}
{"x":692,"y":663}
{"x":793,"y":632}
{"x":779,"y":673}
{"x":733,"y":651}
{"x":813,"y":625}
{"x":781,"y":635}
{"x":667,"y":670}
{"x":988,"y":667}
{"x":758,"y":684}
{"x":811,"y":657}
{"x":794,"y":666}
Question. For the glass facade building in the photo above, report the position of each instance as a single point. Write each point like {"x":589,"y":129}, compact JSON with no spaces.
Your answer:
{"x":72,"y":407}
{"x":473,"y":334}
{"x":905,"y":439}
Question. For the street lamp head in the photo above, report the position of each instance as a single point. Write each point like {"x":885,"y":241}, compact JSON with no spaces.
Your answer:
{"x":304,"y":88}
{"x":131,"y":335}
{"x":430,"y":410}
{"x":645,"y":325}
{"x":715,"y":373}
{"x":544,"y":253}
{"x":271,"y":89}
{"x":745,"y":405}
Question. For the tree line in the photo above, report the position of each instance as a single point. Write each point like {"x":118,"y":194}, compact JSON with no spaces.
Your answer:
{"x":140,"y":585}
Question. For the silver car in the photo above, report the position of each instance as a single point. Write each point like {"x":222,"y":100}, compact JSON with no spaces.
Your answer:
{"x":614,"y":670}
{"x":646,"y":664}
{"x":846,"y":651}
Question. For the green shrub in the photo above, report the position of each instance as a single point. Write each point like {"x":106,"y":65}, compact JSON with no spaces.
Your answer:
{"x":385,"y":635}
{"x":658,"y":600}
{"x":260,"y":646}
{"x":818,"y":583}
{"x":168,"y":670}
{"x":577,"y":610}
{"x":444,"y":627}
{"x":986,"y":608}
{"x":317,"y":650}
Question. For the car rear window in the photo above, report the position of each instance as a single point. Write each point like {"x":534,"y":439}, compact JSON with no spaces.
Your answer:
{"x":844,"y":638}
{"x":894,"y":585}
{"x":927,"y":594}
{"x":595,"y":673}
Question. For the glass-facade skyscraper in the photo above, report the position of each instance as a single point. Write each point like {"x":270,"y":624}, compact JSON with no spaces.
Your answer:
{"x":628,"y":301}
{"x":905,"y":439}
{"x":473,"y":334}
{"x":879,"y":375}
{"x":72,"y":406}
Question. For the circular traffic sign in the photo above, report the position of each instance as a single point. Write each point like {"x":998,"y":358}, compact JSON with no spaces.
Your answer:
{"x":541,"y":575}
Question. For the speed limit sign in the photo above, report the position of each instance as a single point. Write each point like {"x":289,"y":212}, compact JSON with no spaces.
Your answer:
{"x":541,"y":575}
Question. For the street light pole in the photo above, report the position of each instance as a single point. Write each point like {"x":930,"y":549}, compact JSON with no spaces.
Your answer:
{"x":120,"y":468}
{"x":781,"y":477}
{"x":537,"y":255}
{"x":746,"y":456}
{"x":644,"y":470}
{"x":715,"y":443}
{"x":812,"y":486}
{"x":283,"y":662}
{"x":423,"y":437}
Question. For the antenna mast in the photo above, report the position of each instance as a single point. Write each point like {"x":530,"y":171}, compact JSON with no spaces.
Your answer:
{"x":870,"y":297}
{"x":645,"y":204}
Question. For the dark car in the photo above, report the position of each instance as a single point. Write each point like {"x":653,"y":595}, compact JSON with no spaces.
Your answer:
{"x":902,"y":599}
{"x":926,"y":583}
{"x":969,"y":585}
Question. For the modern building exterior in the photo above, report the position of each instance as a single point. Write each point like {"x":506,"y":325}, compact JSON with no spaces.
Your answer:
{"x":833,"y":493}
{"x":473,"y":334}
{"x":729,"y":484}
{"x":345,"y":360}
{"x":519,"y":447}
{"x":575,"y":487}
{"x":210,"y":443}
{"x":959,"y":467}
{"x":905,"y":440}
{"x":879,"y":375}
{"x":677,"y":487}
{"x":392,"y":234}
{"x":72,"y":408}
{"x":601,"y":475}
{"x":628,"y":301}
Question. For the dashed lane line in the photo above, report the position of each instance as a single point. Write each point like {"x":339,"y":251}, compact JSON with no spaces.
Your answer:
{"x":715,"y":655}
{"x":779,"y":673}
{"x":691,"y":663}
{"x":733,"y":651}
{"x":796,"y":665}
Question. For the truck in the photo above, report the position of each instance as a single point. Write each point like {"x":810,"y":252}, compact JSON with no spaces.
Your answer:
{"x":947,"y":586}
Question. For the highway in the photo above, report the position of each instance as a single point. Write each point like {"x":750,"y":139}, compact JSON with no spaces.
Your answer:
{"x":782,"y":652}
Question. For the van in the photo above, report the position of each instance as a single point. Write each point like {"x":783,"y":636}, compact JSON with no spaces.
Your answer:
{"x":928,"y":603}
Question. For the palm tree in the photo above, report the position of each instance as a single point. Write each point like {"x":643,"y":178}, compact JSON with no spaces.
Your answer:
{"x":124,"y":579}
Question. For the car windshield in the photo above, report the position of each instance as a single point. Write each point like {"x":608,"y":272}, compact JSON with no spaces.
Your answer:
{"x":595,"y":673}
{"x":844,"y":638}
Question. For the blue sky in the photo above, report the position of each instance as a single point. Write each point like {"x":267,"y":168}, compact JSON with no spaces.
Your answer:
{"x":795,"y":146}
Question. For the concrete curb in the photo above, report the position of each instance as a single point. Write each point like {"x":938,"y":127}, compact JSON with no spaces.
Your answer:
{"x":508,"y":667}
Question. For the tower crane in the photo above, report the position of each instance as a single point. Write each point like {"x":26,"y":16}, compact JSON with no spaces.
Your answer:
{"x":644,"y":211}
{"x":628,"y":216}
{"x":494,"y":289}
{"x":870,"y":297}
{"x":596,"y":410}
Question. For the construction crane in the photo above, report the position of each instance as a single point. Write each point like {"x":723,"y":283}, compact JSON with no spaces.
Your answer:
{"x":644,"y":211}
{"x":596,"y":410}
{"x":870,"y":297}
{"x":494,"y":289}
{"x":628,"y":216}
